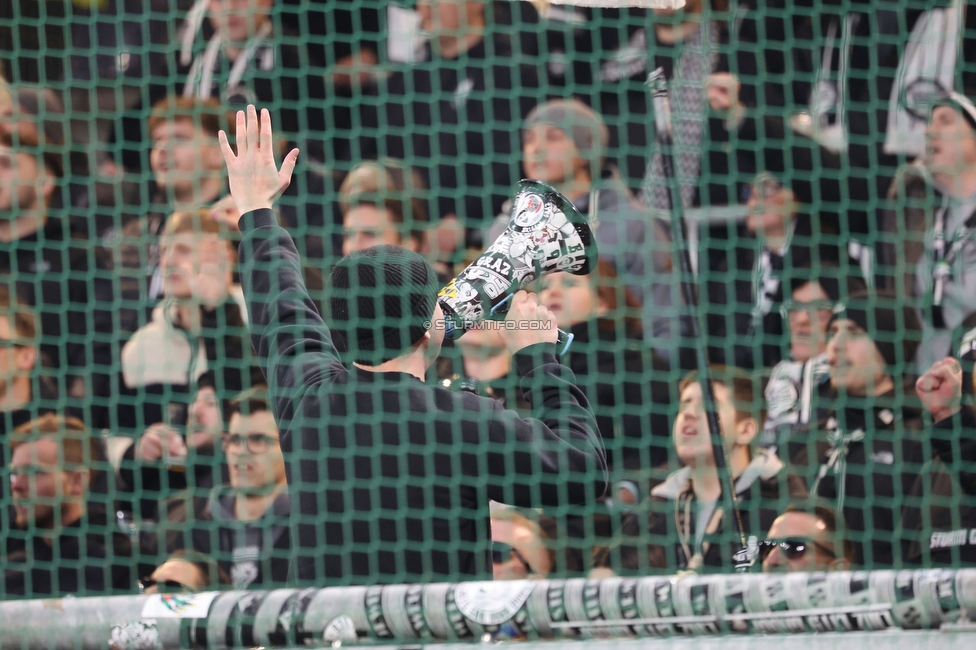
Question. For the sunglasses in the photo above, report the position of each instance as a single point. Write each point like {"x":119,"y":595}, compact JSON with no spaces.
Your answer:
{"x":164,"y":586}
{"x":794,"y":548}
{"x":501,"y":552}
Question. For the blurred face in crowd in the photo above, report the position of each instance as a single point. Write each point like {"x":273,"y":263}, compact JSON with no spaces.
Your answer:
{"x":481,"y":339}
{"x":449,"y":17}
{"x":855,"y":363}
{"x":366,"y":225}
{"x":253,"y":452}
{"x":239,"y":20}
{"x":6,"y":106}
{"x":692,"y":441}
{"x":15,"y":360}
{"x":951,"y":141}
{"x":517,"y":551}
{"x":808,"y":317}
{"x":805,"y":544}
{"x":571,"y":298}
{"x":205,"y":425}
{"x":176,"y":571}
{"x":550,"y":155}
{"x":25,"y":184}
{"x":197,"y":266}
{"x":42,"y":492}
{"x":183,"y":157}
{"x":770,"y":207}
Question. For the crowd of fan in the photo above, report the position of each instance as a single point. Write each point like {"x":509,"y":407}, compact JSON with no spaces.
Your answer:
{"x":836,"y":293}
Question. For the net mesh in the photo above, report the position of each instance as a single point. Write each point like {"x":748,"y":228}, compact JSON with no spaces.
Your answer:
{"x":171,"y":392}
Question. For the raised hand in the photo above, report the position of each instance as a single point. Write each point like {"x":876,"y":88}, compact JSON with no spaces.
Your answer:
{"x":254,"y":178}
{"x":940,"y":388}
{"x":159,"y":440}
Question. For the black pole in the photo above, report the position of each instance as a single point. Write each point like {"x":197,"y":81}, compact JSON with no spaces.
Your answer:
{"x":689,"y":294}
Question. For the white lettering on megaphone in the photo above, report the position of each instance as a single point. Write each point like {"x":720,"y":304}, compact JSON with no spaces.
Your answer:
{"x":496,"y":264}
{"x":495,"y":284}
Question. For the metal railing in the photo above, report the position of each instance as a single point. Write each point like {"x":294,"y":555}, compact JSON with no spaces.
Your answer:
{"x":736,"y":604}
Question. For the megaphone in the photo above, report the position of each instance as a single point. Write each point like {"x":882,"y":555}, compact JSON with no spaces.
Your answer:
{"x":546,"y":234}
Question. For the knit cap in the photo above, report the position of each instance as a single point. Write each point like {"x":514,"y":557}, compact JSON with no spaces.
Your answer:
{"x":892,"y":324}
{"x":381,"y":301}
{"x":581,"y":123}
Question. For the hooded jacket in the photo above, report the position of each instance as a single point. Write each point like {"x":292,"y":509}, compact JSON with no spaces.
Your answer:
{"x":390,"y":477}
{"x":684,"y":534}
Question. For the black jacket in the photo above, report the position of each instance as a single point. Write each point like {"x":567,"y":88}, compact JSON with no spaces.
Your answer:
{"x":868,"y":455}
{"x":253,"y":554}
{"x":389,"y":477}
{"x":80,"y":562}
{"x":938,"y":519}
{"x":627,"y":389}
{"x":684,"y":534}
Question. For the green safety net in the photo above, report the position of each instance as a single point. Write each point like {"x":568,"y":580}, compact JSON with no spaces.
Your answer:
{"x":791,"y":209}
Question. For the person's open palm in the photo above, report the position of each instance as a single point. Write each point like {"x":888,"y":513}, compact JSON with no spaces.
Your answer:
{"x":254,"y":178}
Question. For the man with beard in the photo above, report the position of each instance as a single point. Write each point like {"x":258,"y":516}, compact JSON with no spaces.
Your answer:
{"x":62,"y":543}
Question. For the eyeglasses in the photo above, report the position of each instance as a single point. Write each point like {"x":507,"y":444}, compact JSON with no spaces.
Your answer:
{"x":257,"y":443}
{"x":501,"y":552}
{"x":764,"y":186}
{"x":790,"y":306}
{"x":164,"y":586}
{"x":31,"y":470}
{"x":793,"y":548}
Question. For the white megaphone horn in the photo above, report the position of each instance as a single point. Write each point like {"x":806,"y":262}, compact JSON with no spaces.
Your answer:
{"x":546,"y":234}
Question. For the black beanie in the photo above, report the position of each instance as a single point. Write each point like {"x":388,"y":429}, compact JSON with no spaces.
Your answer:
{"x":892,"y":324}
{"x":381,"y":301}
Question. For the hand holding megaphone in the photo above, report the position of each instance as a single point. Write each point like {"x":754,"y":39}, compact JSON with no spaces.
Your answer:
{"x":546,"y":234}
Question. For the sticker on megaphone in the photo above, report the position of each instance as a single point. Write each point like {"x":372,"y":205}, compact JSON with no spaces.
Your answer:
{"x":546,"y":234}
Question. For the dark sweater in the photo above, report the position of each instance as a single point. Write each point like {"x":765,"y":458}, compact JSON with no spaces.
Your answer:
{"x":939,"y":512}
{"x":868,"y":454}
{"x":389,"y":477}
{"x":87,"y":558}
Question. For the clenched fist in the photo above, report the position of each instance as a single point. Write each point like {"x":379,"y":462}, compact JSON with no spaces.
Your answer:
{"x":528,"y":323}
{"x":158,"y":441}
{"x":940,"y":388}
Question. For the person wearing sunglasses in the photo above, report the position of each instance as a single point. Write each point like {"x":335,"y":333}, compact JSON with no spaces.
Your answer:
{"x":518,"y":547}
{"x":804,"y":538}
{"x":184,"y":572}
